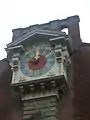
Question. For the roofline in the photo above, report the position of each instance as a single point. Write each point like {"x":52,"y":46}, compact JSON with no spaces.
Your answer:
{"x":84,"y":43}
{"x":32,"y":33}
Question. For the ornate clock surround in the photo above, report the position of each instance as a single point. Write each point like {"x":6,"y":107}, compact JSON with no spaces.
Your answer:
{"x":43,"y":40}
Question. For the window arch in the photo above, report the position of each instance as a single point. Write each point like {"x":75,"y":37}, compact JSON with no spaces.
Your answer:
{"x":64,"y":28}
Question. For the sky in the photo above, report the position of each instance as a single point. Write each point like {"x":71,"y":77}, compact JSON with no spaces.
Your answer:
{"x":23,"y":13}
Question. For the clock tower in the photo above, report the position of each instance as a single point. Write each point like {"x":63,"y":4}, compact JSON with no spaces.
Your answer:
{"x":40,"y":59}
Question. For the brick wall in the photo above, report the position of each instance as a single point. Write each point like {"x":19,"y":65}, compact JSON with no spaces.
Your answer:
{"x":81,"y":99}
{"x":75,"y":104}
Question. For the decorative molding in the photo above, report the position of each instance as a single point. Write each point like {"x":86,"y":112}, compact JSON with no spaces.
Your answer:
{"x":21,"y":89}
{"x":41,"y":95}
{"x":32,"y":87}
{"x":42,"y":85}
{"x":32,"y":33}
{"x":53,"y":83}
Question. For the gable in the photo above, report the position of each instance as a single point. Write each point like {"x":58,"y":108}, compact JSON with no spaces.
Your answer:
{"x":35,"y":34}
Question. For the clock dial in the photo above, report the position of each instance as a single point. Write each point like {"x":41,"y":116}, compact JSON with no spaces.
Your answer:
{"x":37,"y":61}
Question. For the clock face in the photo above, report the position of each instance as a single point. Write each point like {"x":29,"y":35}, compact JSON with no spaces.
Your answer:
{"x":37,"y":61}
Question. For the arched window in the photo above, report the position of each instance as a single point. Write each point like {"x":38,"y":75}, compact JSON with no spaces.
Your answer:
{"x":64,"y":28}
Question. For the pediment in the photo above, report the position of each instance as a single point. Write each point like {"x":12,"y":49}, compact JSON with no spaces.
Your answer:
{"x":36,"y":33}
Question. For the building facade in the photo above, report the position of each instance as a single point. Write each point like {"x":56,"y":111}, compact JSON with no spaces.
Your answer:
{"x":49,"y":70}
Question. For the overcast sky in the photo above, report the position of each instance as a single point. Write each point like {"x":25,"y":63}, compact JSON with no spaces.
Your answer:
{"x":23,"y":13}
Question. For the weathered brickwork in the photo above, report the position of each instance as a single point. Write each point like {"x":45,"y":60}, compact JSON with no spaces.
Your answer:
{"x":81,"y":99}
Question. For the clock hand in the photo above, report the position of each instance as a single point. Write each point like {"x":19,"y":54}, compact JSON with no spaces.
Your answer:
{"x":37,"y":53}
